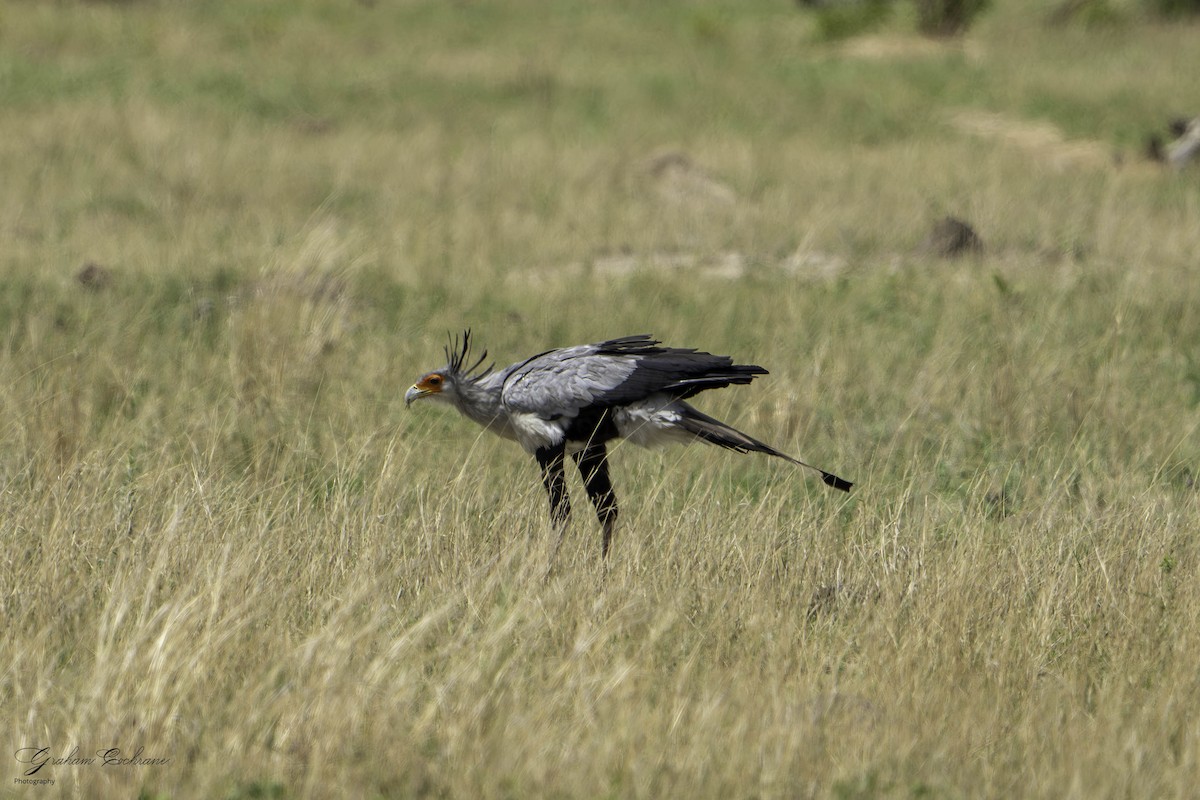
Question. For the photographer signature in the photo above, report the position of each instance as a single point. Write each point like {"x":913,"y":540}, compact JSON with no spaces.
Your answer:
{"x":38,"y":757}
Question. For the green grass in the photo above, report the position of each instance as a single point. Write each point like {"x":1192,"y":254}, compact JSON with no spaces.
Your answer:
{"x":225,"y":539}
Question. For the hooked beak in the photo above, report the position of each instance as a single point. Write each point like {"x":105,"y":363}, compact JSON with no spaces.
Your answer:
{"x":413,"y":393}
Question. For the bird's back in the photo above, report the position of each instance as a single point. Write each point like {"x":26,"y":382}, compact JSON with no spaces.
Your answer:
{"x":615,"y":373}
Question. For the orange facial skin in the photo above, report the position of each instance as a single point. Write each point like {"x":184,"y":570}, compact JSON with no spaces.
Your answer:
{"x":431,"y":384}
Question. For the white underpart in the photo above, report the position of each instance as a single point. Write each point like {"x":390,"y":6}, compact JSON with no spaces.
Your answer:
{"x":533,"y":432}
{"x":652,"y":422}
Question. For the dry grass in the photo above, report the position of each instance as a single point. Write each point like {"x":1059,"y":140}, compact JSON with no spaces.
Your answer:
{"x":225,"y":541}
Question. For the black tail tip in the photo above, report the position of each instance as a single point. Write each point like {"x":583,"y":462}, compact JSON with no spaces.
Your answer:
{"x":838,"y":483}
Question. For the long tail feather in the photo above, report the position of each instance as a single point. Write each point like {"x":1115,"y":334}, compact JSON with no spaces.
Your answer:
{"x":716,"y":432}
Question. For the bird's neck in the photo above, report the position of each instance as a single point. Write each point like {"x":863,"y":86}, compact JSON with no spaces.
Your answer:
{"x":480,"y":401}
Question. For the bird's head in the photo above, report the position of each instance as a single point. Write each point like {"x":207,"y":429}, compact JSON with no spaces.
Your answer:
{"x":437,"y":384}
{"x":443,"y":384}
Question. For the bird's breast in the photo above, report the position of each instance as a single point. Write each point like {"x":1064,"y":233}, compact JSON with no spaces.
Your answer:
{"x":534,"y":432}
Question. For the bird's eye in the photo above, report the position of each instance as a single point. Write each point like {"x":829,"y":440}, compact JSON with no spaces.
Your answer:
{"x":435,"y":380}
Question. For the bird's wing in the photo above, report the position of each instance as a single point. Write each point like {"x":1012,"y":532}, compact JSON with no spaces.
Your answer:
{"x":561,"y":383}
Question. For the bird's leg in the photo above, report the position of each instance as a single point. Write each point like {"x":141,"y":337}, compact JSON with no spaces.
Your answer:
{"x":593,"y":466}
{"x":550,"y":459}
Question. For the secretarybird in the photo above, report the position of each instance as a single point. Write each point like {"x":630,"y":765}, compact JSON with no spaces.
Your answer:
{"x":576,"y":399}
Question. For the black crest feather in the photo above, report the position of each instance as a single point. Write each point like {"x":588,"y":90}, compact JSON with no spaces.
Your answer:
{"x":457,"y":354}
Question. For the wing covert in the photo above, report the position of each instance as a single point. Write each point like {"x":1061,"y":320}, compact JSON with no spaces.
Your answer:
{"x":560,"y":383}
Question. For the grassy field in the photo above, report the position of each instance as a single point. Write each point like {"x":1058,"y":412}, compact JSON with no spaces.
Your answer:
{"x":235,"y":232}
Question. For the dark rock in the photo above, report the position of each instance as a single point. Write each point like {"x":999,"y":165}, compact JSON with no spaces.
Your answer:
{"x":950,"y":238}
{"x":93,"y":277}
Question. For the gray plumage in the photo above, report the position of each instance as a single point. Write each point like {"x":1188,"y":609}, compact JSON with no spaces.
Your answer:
{"x":573,"y":400}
